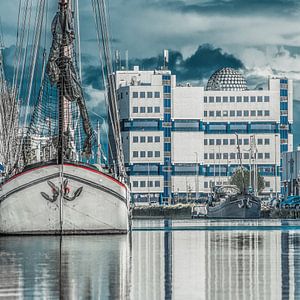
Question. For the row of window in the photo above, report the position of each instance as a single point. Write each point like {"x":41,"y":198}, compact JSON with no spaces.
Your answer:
{"x":142,"y":154}
{"x":237,"y":113}
{"x":206,"y":184}
{"x":233,"y":99}
{"x":149,"y":139}
{"x":144,"y":183}
{"x":235,"y":155}
{"x":146,"y":95}
{"x":245,"y":141}
{"x":144,"y":109}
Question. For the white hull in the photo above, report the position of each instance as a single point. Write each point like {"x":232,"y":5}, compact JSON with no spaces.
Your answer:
{"x":100,"y":206}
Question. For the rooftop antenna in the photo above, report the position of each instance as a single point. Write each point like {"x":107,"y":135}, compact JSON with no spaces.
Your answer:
{"x":166,"y":59}
{"x":126,"y":60}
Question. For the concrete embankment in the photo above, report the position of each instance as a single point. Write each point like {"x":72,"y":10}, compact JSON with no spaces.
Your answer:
{"x":174,"y":212}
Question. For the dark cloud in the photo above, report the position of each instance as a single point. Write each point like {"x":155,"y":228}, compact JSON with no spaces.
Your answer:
{"x":232,"y":7}
{"x":92,"y":75}
{"x":200,"y":65}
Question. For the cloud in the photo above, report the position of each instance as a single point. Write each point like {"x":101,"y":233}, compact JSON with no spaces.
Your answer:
{"x":232,"y":7}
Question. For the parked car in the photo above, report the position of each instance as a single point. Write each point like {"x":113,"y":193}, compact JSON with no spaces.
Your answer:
{"x":291,"y":202}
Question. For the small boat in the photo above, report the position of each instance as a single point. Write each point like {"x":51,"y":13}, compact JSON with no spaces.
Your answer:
{"x":229,"y":203}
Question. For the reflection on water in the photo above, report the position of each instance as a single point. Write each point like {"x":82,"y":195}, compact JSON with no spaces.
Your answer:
{"x":160,"y":260}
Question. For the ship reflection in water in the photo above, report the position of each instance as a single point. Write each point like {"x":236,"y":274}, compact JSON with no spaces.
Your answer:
{"x":160,"y":260}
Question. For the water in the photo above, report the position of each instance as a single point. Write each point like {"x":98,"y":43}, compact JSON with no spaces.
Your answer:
{"x":161,"y":259}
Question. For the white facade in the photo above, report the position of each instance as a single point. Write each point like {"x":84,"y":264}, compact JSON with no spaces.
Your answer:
{"x":179,"y":140}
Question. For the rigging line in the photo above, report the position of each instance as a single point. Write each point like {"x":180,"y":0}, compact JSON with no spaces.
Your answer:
{"x":17,"y":39}
{"x":19,"y":46}
{"x":78,"y":39}
{"x":35,"y":53}
{"x":96,"y":19}
{"x":25,"y":55}
{"x":111,"y":83}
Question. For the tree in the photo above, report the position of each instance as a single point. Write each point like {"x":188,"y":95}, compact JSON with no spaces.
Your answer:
{"x":237,"y":179}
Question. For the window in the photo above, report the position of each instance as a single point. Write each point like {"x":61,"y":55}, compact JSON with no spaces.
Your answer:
{"x":232,"y":113}
{"x":156,"y":94}
{"x":135,"y":139}
{"x":225,"y":142}
{"x":142,"y":183}
{"x":239,"y":113}
{"x":211,"y":142}
{"x":240,"y":141}
{"x":135,"y":154}
{"x":142,"y":139}
{"x":259,"y":99}
{"x":205,"y":141}
{"x":267,"y":113}
{"x":135,"y":184}
{"x":157,"y":139}
{"x":205,"y":155}
{"x":267,"y":155}
{"x":218,"y":142}
{"x":253,"y":113}
{"x":259,"y":113}
{"x":205,"y":99}
{"x":218,"y":99}
{"x":225,"y":99}
{"x":252,"y":99}
{"x":211,"y":113}
{"x":218,"y":113}
{"x":135,"y":95}
{"x":246,"y":113}
{"x":232,"y":99}
{"x":205,"y":113}
{"x":267,"y":99}
{"x":149,"y":94}
{"x":211,"y":99}
{"x":246,"y":155}
{"x":239,"y":99}
{"x":218,"y":155}
{"x":225,"y":155}
{"x":150,"y":154}
{"x":143,"y":153}
{"x":142,"y":109}
{"x":246,"y":141}
{"x":149,"y":110}
{"x":246,"y":99}
{"x":232,"y":141}
{"x":150,"y":183}
{"x":259,"y":141}
{"x":225,"y":113}
{"x":157,"y":109}
{"x":260,"y":155}
{"x":142,"y":94}
{"x":157,"y":153}
{"x":157,"y":183}
{"x":150,"y":139}
{"x":211,"y":155}
{"x":135,"y":109}
{"x":232,"y":155}
{"x":267,"y":184}
{"x":205,"y":184}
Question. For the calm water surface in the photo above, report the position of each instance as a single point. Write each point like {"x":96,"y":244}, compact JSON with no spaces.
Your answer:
{"x":161,"y":259}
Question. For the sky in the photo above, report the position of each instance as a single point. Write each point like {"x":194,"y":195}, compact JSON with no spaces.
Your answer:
{"x":259,"y":37}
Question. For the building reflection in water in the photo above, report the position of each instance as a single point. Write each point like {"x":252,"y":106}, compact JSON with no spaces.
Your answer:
{"x":229,"y":264}
{"x":154,"y":264}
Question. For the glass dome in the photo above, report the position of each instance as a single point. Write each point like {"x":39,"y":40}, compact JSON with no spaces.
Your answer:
{"x":226,"y":79}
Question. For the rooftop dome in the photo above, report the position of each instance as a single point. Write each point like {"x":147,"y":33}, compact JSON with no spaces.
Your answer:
{"x":226,"y":79}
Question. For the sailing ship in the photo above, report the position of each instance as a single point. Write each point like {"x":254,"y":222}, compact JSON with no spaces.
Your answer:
{"x":229,"y":202}
{"x":57,"y":190}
